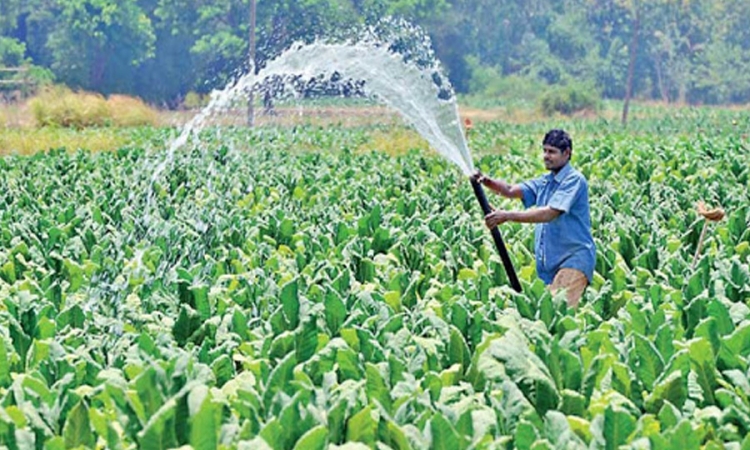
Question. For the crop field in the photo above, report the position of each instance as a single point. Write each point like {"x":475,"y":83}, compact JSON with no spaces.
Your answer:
{"x":308,"y":288}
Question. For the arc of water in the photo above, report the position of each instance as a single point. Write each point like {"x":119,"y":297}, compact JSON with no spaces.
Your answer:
{"x":406,"y":88}
{"x":402,"y":86}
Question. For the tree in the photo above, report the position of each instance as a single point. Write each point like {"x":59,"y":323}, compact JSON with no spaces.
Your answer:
{"x":98,"y":44}
{"x":9,"y":12}
{"x":12,"y":52}
{"x":170,"y":74}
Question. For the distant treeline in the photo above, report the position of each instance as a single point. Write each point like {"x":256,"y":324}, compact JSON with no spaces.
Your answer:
{"x":695,"y":51}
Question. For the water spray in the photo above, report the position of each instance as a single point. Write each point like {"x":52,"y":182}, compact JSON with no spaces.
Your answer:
{"x":413,"y":86}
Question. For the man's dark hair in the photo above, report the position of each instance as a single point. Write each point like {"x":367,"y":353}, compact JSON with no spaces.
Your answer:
{"x":559,"y":139}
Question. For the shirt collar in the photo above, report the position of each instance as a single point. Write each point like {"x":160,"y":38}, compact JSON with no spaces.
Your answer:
{"x":560,"y":176}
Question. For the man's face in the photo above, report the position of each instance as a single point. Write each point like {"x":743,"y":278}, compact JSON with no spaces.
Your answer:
{"x":554,"y":158}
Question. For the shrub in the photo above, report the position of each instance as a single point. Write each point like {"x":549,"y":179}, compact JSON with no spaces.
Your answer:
{"x":59,"y":106}
{"x":488,"y":87}
{"x":194,"y":100}
{"x":394,"y":142}
{"x":11,"y":52}
{"x":131,"y":112}
{"x":568,"y":99}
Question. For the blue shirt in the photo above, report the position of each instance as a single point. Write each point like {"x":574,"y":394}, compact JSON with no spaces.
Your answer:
{"x":566,"y":241}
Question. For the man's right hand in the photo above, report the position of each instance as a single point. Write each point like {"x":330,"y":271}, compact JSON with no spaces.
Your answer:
{"x":479,"y":177}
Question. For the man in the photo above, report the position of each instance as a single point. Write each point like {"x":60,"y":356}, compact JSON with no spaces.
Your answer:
{"x":565,"y":251}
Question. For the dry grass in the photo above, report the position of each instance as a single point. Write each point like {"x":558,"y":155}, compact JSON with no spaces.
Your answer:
{"x":60,"y":118}
{"x":395,"y":142}
{"x":14,"y":115}
{"x":60,"y":107}
{"x":27,"y":141}
{"x":131,"y":112}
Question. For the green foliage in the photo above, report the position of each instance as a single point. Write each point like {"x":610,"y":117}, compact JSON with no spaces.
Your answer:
{"x":489,"y":87}
{"x":94,"y":42}
{"x":693,"y":51}
{"x":569,"y":99}
{"x":12,"y":52}
{"x":289,"y":298}
{"x":194,"y":100}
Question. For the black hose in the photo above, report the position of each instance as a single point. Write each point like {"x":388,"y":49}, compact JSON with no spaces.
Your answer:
{"x":507,"y":263}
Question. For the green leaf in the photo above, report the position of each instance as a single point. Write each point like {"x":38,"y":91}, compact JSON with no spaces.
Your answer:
{"x":8,"y":272}
{"x":56,"y":443}
{"x":348,"y":363}
{"x":683,"y":437}
{"x":223,"y":369}
{"x":376,"y":387}
{"x":273,"y":434}
{"x":638,"y":320}
{"x":204,"y":419}
{"x":290,"y":302}
{"x":581,"y":427}
{"x":159,"y":432}
{"x":672,"y":388}
{"x":4,"y":364}
{"x":573,"y":403}
{"x":572,"y":369}
{"x":77,"y":429}
{"x":649,"y":363}
{"x":523,"y":367}
{"x":739,"y":341}
{"x":526,"y":435}
{"x":381,"y":240}
{"x":73,"y":316}
{"x":362,"y":427}
{"x":282,"y":344}
{"x":458,"y":350}
{"x":278,"y":380}
{"x":306,"y":341}
{"x":618,"y":426}
{"x":465,"y":425}
{"x":200,"y":300}
{"x":547,"y":310}
{"x":239,"y":324}
{"x":74,"y":272}
{"x":720,"y":312}
{"x":186,"y":324}
{"x":557,"y":429}
{"x":314,"y":439}
{"x":708,"y":329}
{"x":669,"y":415}
{"x":444,"y":435}
{"x":393,"y":436}
{"x":702,"y":362}
{"x":335,"y":311}
{"x":102,"y":426}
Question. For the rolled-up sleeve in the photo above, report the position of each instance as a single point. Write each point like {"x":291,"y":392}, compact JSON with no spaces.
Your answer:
{"x":566,"y":194}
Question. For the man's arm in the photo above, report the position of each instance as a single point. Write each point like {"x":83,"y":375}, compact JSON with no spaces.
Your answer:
{"x":536,"y":215}
{"x":500,"y":187}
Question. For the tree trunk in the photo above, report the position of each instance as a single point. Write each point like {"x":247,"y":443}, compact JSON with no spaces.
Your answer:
{"x":251,"y":96}
{"x":97,"y":70}
{"x":631,"y":65}
{"x":660,"y":78}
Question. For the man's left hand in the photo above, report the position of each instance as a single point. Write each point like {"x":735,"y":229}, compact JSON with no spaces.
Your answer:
{"x":496,"y":218}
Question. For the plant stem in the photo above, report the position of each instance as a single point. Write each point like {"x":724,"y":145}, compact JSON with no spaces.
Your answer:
{"x":700,"y":243}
